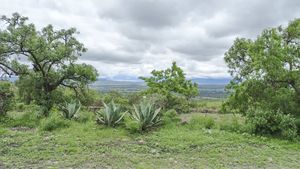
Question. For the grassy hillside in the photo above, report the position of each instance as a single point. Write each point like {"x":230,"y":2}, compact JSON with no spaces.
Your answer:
{"x":87,"y":145}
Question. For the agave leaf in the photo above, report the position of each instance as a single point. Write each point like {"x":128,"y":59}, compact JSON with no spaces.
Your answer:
{"x":111,"y":115}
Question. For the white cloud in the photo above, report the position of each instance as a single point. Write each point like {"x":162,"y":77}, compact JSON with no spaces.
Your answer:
{"x":133,"y":37}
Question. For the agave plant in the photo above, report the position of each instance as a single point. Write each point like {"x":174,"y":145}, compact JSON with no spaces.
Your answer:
{"x":146,"y":115}
{"x":111,"y":115}
{"x":70,"y":110}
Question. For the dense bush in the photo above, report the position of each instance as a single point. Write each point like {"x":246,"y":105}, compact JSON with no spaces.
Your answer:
{"x":54,"y":122}
{"x":6,"y":97}
{"x":267,"y":122}
{"x":111,"y":115}
{"x":146,"y":115}
{"x":199,"y":122}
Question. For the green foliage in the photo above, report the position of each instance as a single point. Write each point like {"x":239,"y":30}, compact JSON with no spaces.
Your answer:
{"x":111,"y":115}
{"x":135,"y":97}
{"x":54,"y":122}
{"x":146,"y":115}
{"x":170,"y":117}
{"x":169,"y":81}
{"x":199,"y":122}
{"x":6,"y":97}
{"x":117,"y":97}
{"x":266,"y":122}
{"x":266,"y":71}
{"x":132,"y":125}
{"x":71,"y":110}
{"x":233,"y":125}
{"x":52,"y":55}
{"x":20,"y":106}
{"x":85,"y":116}
{"x":297,"y":122}
{"x":179,"y":103}
{"x":86,"y":96}
{"x":28,"y":119}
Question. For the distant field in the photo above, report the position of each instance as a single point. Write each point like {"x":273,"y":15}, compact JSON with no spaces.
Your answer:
{"x":208,"y":91}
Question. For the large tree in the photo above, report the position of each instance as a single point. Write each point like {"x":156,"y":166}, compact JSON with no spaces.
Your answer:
{"x":266,"y":70}
{"x":44,"y":60}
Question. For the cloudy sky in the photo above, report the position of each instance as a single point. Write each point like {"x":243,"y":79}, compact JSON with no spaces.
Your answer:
{"x":132,"y":37}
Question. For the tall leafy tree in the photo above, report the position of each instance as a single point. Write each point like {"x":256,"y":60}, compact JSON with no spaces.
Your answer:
{"x":171,"y":81}
{"x":266,"y":70}
{"x":44,"y":60}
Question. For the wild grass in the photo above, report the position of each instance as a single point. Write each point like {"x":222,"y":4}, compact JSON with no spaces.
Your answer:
{"x":198,"y":144}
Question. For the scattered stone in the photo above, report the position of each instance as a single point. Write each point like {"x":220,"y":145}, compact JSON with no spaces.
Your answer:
{"x":141,"y":142}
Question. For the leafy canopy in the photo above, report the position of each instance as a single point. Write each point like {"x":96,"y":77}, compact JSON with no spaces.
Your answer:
{"x":266,"y":71}
{"x":171,"y":80}
{"x":44,"y":60}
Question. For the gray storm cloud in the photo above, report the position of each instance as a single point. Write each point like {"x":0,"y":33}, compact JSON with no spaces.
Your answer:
{"x":135,"y":36}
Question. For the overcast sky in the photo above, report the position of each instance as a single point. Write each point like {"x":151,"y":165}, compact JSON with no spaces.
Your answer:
{"x":132,"y":37}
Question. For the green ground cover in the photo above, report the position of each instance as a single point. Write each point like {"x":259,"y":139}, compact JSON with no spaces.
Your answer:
{"x":88,"y":145}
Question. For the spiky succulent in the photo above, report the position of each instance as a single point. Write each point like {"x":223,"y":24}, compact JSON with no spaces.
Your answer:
{"x":70,"y":110}
{"x":111,"y":115}
{"x":146,"y":115}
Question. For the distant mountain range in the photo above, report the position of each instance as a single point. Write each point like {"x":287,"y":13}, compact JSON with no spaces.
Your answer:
{"x":129,"y":79}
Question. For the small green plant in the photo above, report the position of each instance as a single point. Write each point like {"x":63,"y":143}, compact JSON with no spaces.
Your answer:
{"x":275,"y":123}
{"x":131,"y":125}
{"x":111,"y":115}
{"x":146,"y":115}
{"x":70,"y":110}
{"x":170,"y":117}
{"x":199,"y":122}
{"x":54,"y":122}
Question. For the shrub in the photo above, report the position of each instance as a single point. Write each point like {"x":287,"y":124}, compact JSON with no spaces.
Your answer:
{"x":179,"y":103}
{"x":198,"y":122}
{"x":111,"y":115}
{"x":131,"y":125}
{"x":170,"y":117}
{"x":267,"y":122}
{"x":54,"y":122}
{"x":146,"y":115}
{"x":6,"y":97}
{"x":71,"y":110}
